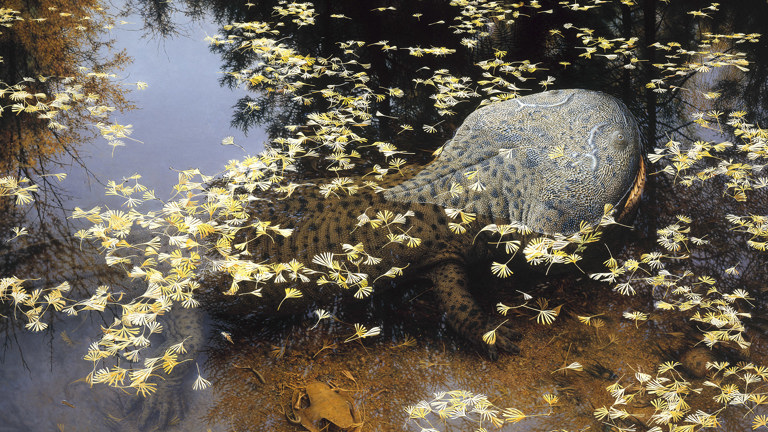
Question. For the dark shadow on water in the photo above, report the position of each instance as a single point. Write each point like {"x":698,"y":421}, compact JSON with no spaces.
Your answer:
{"x":272,"y":358}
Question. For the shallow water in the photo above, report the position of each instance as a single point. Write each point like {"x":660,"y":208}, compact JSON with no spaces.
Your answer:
{"x":180,"y":120}
{"x":262,"y":373}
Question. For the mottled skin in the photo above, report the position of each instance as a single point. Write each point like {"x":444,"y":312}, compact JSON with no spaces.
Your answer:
{"x":512,"y":147}
{"x":548,"y":160}
{"x":324,"y":224}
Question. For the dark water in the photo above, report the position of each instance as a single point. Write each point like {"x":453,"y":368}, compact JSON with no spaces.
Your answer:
{"x":185,"y":113}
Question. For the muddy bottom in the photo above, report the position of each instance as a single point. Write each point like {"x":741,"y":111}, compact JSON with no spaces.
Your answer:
{"x":261,"y":378}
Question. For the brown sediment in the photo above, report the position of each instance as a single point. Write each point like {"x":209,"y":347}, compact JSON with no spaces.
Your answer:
{"x":383,"y":378}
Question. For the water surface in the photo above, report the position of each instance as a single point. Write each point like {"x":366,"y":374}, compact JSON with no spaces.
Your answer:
{"x":181,"y":120}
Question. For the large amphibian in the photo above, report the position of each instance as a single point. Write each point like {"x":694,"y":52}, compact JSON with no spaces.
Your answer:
{"x":548,"y":161}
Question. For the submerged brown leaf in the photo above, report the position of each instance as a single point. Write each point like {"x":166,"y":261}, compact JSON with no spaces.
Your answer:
{"x":327,"y":404}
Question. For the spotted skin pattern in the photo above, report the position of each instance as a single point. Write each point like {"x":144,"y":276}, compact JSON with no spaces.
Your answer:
{"x":509,"y":145}
{"x":512,"y":146}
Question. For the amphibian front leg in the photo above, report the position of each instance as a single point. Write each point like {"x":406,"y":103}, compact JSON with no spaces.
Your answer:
{"x":462,"y":312}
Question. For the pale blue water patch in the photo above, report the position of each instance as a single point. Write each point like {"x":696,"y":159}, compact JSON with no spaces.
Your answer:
{"x":49,"y":392}
{"x":181,"y":119}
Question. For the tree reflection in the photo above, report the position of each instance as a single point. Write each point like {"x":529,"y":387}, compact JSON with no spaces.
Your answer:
{"x":547,"y":36}
{"x":54,"y":87}
{"x":649,"y":56}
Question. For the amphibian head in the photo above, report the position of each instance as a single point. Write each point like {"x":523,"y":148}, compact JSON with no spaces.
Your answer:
{"x":548,"y":160}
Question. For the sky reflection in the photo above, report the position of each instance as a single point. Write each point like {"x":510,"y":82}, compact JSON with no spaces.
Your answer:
{"x":180,"y":120}
{"x":181,"y":117}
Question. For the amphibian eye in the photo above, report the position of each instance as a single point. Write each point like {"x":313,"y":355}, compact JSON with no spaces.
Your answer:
{"x":618,"y":139}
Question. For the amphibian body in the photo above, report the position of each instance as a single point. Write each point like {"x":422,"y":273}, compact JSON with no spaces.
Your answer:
{"x":547,"y":161}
